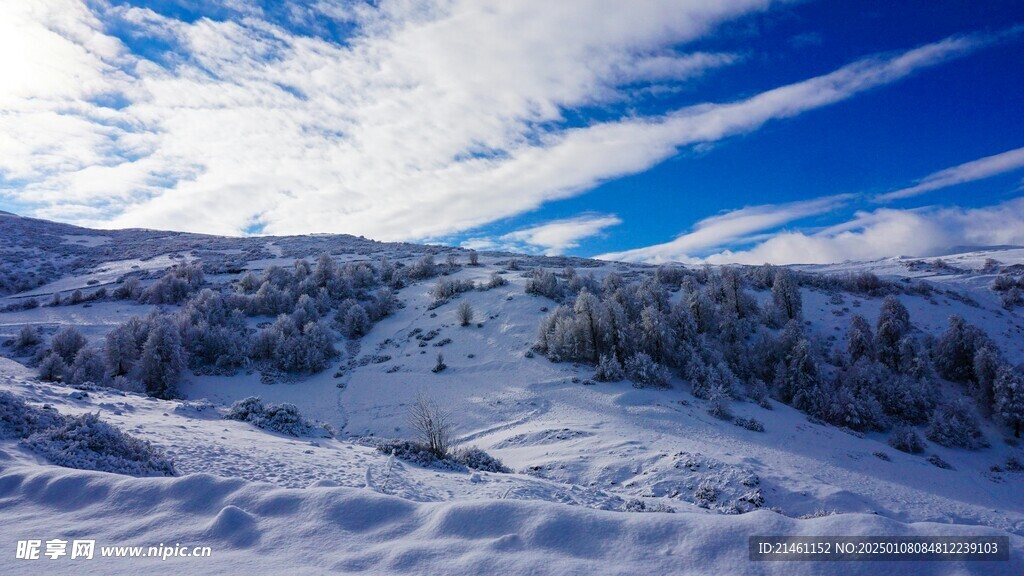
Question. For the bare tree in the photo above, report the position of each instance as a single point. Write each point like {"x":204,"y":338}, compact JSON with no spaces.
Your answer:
{"x":474,"y":258}
{"x":432,"y":424}
{"x":464,"y":313}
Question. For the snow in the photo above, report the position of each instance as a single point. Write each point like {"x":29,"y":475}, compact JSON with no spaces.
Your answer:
{"x":580,"y":451}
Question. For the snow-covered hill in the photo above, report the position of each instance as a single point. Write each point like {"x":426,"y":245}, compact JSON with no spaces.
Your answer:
{"x":587,"y":457}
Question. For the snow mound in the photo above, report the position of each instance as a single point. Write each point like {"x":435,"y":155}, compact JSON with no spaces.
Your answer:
{"x":260,"y":527}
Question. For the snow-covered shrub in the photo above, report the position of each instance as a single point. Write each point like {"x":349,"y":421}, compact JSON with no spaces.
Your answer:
{"x":19,"y":419}
{"x":638,"y":505}
{"x":88,"y":367}
{"x":464,"y":313}
{"x":129,"y":289}
{"x":66,"y":343}
{"x":477,"y":459}
{"x":954,"y":425}
{"x":433,"y":424}
{"x":423,"y":268}
{"x":449,"y":287}
{"x":439,"y":365}
{"x":88,"y":443}
{"x":609,"y":369}
{"x":245,"y":409}
{"x":644,"y":371}
{"x":938,"y":462}
{"x":52,"y":368}
{"x":750,"y":424}
{"x":718,"y":403}
{"x":496,"y":280}
{"x":282,"y":418}
{"x":706,"y":493}
{"x":905,"y":439}
{"x":27,"y":337}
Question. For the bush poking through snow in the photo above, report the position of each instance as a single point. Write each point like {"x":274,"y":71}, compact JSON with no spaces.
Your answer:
{"x":432,"y":424}
{"x":477,"y":459}
{"x":88,"y":443}
{"x":464,"y":314}
{"x":27,"y":337}
{"x":751,"y":424}
{"x":282,"y":418}
{"x":905,"y":439}
{"x":439,"y":366}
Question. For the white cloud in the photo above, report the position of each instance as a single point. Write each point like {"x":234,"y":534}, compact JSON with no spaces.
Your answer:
{"x":434,"y":119}
{"x":885,"y":232}
{"x":967,"y":172}
{"x":551,"y":238}
{"x":728,"y":228}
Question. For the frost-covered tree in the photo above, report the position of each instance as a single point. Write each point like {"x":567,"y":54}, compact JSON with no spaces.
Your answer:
{"x":609,"y":369}
{"x":797,"y":375}
{"x":162,"y":361}
{"x":88,"y":367}
{"x":905,"y":439}
{"x":644,"y":371}
{"x":464,"y":313}
{"x":326,"y":270}
{"x":305,"y":350}
{"x":954,"y":351}
{"x":355,"y":322}
{"x":587,"y":311}
{"x":987,"y":363}
{"x":66,"y":343}
{"x":474,"y":258}
{"x":52,"y":368}
{"x":786,"y":296}
{"x":893,"y":324}
{"x":543,"y":283}
{"x":1008,"y":390}
{"x":859,"y":340}
{"x":954,"y":425}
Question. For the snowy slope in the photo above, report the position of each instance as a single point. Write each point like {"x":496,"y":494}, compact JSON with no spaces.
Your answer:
{"x":581,"y":451}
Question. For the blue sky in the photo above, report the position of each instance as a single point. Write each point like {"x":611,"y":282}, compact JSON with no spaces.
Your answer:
{"x":727,"y":131}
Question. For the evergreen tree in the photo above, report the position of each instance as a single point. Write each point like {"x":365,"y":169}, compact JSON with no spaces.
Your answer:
{"x":162,"y":361}
{"x":954,"y":352}
{"x":859,"y":341}
{"x":786,"y":296}
{"x":1008,"y":390}
{"x":893,"y":324}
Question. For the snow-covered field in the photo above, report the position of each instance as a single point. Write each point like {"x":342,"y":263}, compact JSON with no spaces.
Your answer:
{"x":585,"y":456}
